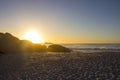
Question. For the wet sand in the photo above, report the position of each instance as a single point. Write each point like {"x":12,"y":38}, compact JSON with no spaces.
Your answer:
{"x":60,"y":66}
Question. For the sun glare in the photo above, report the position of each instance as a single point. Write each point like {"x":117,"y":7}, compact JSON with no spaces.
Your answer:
{"x":33,"y":36}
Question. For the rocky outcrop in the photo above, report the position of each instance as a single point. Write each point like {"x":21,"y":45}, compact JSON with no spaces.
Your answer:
{"x":11,"y":44}
{"x":57,"y":48}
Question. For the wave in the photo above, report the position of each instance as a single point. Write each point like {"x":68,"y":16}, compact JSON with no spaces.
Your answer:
{"x":94,"y":47}
{"x":91,"y":50}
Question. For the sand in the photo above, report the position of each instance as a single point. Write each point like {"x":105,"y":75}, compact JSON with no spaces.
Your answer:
{"x":60,"y":66}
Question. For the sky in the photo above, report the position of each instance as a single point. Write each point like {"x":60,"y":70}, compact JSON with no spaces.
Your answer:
{"x":63,"y":21}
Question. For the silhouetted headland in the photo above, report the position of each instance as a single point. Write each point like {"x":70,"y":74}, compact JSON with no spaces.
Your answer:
{"x":12,"y":44}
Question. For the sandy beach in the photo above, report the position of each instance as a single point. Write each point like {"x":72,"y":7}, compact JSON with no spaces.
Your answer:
{"x":60,"y":66}
{"x":59,"y":39}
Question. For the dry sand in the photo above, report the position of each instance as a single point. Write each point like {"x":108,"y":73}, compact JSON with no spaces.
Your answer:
{"x":60,"y":66}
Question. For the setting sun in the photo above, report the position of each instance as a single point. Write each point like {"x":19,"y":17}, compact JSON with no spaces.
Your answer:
{"x":33,"y":36}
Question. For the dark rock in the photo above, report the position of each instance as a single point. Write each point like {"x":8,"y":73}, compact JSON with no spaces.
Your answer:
{"x":48,"y":43}
{"x":28,"y":46}
{"x":11,"y":44}
{"x":2,"y":52}
{"x":57,"y":48}
{"x":39,"y":48}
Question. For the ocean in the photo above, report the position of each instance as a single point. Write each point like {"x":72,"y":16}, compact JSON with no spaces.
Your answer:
{"x":90,"y":48}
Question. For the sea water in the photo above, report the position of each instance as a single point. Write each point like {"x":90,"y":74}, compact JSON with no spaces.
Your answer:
{"x":94,"y":47}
